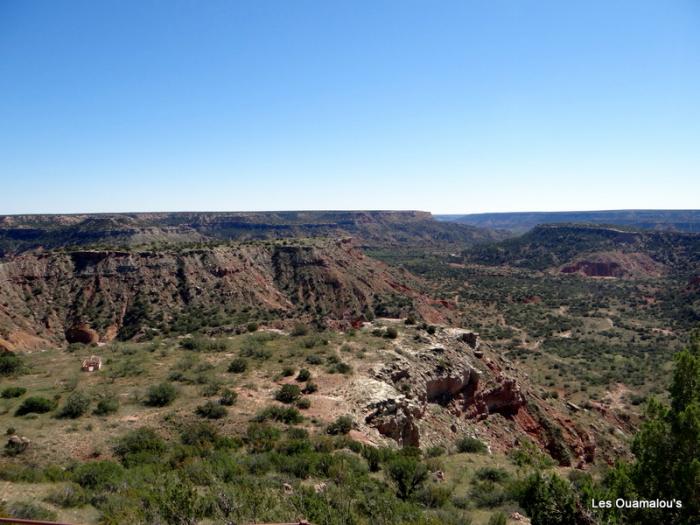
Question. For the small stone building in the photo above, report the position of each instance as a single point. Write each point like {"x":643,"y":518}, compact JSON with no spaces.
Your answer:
{"x":91,"y":364}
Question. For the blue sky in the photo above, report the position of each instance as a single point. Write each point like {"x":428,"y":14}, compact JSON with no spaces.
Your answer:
{"x":451,"y":107}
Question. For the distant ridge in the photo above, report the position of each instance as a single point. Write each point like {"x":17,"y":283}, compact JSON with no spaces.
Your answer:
{"x":520,"y":222}
{"x":20,"y":233}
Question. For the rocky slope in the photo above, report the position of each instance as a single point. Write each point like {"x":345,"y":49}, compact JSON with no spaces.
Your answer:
{"x":428,"y":392}
{"x":90,"y":295}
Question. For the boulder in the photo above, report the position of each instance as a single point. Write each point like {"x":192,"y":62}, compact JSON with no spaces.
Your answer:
{"x":471,"y":338}
{"x":396,"y":419}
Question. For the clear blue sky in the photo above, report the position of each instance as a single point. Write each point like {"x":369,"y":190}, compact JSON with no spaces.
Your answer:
{"x":448,"y":106}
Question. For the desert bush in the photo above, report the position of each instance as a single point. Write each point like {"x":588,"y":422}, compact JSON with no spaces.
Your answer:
{"x":342,"y":425}
{"x":204,"y":344}
{"x":261,"y":437}
{"x":68,"y":496}
{"x":288,"y":393}
{"x":436,"y":451}
{"x":314,"y":359}
{"x":75,"y":406}
{"x":434,"y":496}
{"x":340,"y":368}
{"x":391,"y":333}
{"x":252,"y":327}
{"x":287,"y":371}
{"x":527,"y":454}
{"x":142,"y":445}
{"x":106,"y":405}
{"x":98,"y":475}
{"x":299,"y":330}
{"x":30,"y":511}
{"x":495,"y":474}
{"x":211,"y":385}
{"x":487,"y":494}
{"x":303,"y":375}
{"x":238,"y":366}
{"x":160,"y":395}
{"x":288,"y":415}
{"x":498,"y":518}
{"x":35,"y":405}
{"x":228,"y":398}
{"x":200,"y":434}
{"x":471,"y":445}
{"x":548,"y":500}
{"x":408,"y":474}
{"x":304,"y":403}
{"x":10,"y":363}
{"x":211,"y":410}
{"x":13,"y":391}
{"x":310,"y":388}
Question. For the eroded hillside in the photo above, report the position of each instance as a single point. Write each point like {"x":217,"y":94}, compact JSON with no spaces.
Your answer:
{"x":91,"y":296}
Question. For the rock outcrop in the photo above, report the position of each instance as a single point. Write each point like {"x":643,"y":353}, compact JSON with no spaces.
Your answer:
{"x":396,"y":419}
{"x":505,"y":399}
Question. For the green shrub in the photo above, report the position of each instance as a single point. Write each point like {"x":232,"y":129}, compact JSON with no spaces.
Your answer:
{"x":310,"y":388}
{"x":303,"y":375}
{"x":201,"y":434}
{"x":487,"y":494}
{"x":498,"y":518}
{"x":238,"y":366}
{"x":471,"y":445}
{"x":31,"y":511}
{"x":142,"y":445}
{"x":391,"y":333}
{"x":495,"y":474}
{"x":288,"y":393}
{"x":68,"y":496}
{"x":261,"y":437}
{"x":10,"y":363}
{"x":287,"y":371}
{"x":75,"y":406}
{"x":35,"y":405}
{"x":252,"y":327}
{"x":304,"y":403}
{"x":527,"y":454}
{"x":204,"y":344}
{"x":548,"y":500}
{"x":99,"y":475}
{"x":299,"y":330}
{"x":436,"y":451}
{"x":340,"y":368}
{"x":373,"y":456}
{"x":106,"y":405}
{"x":314,"y":359}
{"x":13,"y":391}
{"x":408,"y":474}
{"x":211,"y":410}
{"x":160,"y":395}
{"x":342,"y":425}
{"x":228,"y":398}
{"x":288,"y":415}
{"x":434,"y":496}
